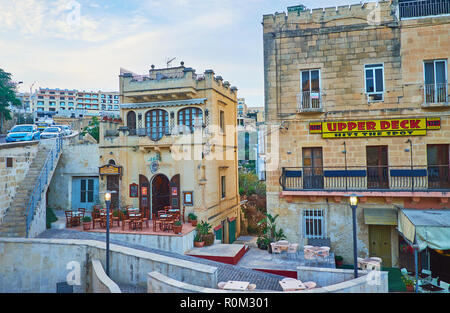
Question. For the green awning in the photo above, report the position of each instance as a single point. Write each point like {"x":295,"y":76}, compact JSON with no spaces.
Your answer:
{"x":380,"y":216}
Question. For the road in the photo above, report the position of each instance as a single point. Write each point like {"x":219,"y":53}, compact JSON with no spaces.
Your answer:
{"x":2,"y":139}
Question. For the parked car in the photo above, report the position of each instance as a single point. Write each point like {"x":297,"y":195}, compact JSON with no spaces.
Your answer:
{"x":24,"y":132}
{"x":66,"y":130}
{"x":51,"y":132}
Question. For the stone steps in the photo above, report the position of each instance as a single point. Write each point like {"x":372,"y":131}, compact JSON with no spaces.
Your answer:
{"x":14,"y":223}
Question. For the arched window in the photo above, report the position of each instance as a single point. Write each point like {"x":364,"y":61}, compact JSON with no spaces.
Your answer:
{"x":190,"y":117}
{"x":157,"y":123}
{"x":112,"y":162}
{"x":131,"y":122}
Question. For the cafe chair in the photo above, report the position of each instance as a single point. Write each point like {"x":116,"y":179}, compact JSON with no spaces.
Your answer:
{"x":445,"y":286}
{"x":251,"y":286}
{"x":69,"y":218}
{"x":95,"y":218}
{"x":125,"y":220}
{"x":156,"y":222}
{"x":82,"y":210}
{"x":221,"y":284}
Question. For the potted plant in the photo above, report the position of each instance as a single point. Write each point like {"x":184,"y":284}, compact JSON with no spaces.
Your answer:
{"x":205,"y":232}
{"x":269,"y":230}
{"x":338,"y":260}
{"x":409,"y":283}
{"x":177,"y":227}
{"x":198,"y":241}
{"x":86,"y":223}
{"x":263,"y":242}
{"x":192,"y":218}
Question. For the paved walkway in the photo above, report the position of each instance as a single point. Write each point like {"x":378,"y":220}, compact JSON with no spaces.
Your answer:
{"x":225,"y":272}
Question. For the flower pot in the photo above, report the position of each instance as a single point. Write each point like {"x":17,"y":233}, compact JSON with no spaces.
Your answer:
{"x":410,"y":288}
{"x":199,"y":244}
{"x":262,"y":246}
{"x":338,"y":263}
{"x":193,"y":222}
{"x":209,"y":239}
{"x":86,"y":225}
{"x":177,"y":229}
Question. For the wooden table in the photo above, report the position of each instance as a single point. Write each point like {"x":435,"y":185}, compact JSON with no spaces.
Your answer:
{"x":165,"y":221}
{"x":432,"y":288}
{"x":236,"y":285}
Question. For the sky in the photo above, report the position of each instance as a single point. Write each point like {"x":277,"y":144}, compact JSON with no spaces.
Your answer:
{"x":82,"y":44}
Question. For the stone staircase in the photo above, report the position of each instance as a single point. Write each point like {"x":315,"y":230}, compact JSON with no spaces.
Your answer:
{"x":15,"y":222}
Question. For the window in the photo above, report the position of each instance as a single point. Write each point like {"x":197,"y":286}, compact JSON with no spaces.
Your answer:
{"x":9,"y":162}
{"x":222,"y":121}
{"x":310,"y":93}
{"x":116,"y":97}
{"x":62,"y":103}
{"x":314,"y":223}
{"x":109,"y":107}
{"x":87,"y":190}
{"x":70,"y":103}
{"x":190,"y":117}
{"x":116,"y":107}
{"x":223,"y":186}
{"x":40,"y":97}
{"x":131,"y":122}
{"x":438,"y":161}
{"x":62,"y":98}
{"x":156,"y":123}
{"x":52,"y":103}
{"x":374,"y":78}
{"x":435,"y":81}
{"x":51,"y":97}
{"x":40,"y":102}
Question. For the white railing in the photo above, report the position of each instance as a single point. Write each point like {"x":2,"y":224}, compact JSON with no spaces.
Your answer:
{"x":309,"y":101}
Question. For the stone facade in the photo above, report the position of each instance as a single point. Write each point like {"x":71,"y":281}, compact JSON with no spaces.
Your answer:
{"x":340,"y":43}
{"x":163,"y":150}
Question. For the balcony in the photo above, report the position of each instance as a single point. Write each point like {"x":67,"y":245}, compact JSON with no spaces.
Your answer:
{"x":157,"y":133}
{"x":414,"y":9}
{"x":435,"y":95}
{"x":309,"y":101}
{"x":431,"y":178}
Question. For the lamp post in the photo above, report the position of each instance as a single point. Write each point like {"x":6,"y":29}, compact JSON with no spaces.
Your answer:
{"x":354,"y":205}
{"x":108,"y":203}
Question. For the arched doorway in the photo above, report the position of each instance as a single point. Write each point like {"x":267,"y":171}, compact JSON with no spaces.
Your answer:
{"x":160,"y":193}
{"x":175,"y":192}
{"x":144,"y":195}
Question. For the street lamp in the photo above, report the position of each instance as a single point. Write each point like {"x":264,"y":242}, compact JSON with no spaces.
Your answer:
{"x":354,"y":204}
{"x":108,"y":203}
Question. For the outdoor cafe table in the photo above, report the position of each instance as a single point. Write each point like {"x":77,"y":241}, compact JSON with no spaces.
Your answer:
{"x":165,"y":218}
{"x":236,"y":285}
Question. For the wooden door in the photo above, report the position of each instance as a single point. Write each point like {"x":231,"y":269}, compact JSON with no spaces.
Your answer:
{"x":160,"y":193}
{"x":312,"y":168}
{"x":380,"y":243}
{"x":144,"y":195}
{"x":112,"y":184}
{"x":438,"y":166}
{"x":377,"y":167}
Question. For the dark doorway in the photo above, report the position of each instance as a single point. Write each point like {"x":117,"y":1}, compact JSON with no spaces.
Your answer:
{"x":144,"y":195}
{"x":160,"y":193}
{"x":312,"y":168}
{"x":377,"y":167}
{"x":438,"y":166}
{"x":175,"y":192}
{"x":112,"y":184}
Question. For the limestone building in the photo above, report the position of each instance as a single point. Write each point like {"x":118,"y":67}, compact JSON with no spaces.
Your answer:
{"x":359,"y":97}
{"x":177,"y":146}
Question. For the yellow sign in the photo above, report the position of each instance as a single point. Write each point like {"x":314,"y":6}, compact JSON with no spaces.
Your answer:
{"x":109,"y":170}
{"x":375,"y":128}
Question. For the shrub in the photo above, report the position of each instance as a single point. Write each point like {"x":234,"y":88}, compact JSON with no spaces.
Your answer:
{"x":250,"y":184}
{"x":86,"y":219}
{"x":50,"y":217}
{"x":177,"y":223}
{"x":192,"y":216}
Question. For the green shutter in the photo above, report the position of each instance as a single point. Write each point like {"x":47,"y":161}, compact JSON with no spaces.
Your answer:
{"x":231,"y":231}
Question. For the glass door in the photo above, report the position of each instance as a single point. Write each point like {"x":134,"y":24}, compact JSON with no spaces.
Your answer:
{"x":377,"y":167}
{"x":312,"y":168}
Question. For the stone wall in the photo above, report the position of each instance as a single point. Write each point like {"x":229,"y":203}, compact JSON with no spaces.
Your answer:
{"x":10,"y":178}
{"x":79,"y":158}
{"x":100,"y":282}
{"x":36,"y":265}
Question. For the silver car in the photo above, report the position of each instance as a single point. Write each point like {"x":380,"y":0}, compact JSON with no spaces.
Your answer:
{"x":51,"y":132}
{"x":65,"y":129}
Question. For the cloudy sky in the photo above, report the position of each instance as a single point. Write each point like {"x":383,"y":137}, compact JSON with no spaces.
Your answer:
{"x":83,"y":44}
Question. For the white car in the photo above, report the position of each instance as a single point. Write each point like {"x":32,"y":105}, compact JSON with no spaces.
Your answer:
{"x":51,"y":132}
{"x":65,"y":129}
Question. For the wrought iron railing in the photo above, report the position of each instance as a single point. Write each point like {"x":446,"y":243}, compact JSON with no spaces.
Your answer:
{"x":436,"y":93}
{"x":42,"y":180}
{"x":413,"y":8}
{"x":309,"y":101}
{"x":156,"y":133}
{"x":376,"y":178}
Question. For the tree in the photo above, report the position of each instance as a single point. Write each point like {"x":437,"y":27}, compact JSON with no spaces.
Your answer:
{"x":7,"y":96}
{"x":93,"y":129}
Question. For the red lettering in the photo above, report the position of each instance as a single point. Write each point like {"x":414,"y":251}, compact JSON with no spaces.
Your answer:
{"x":361,"y":126}
{"x":384,"y":124}
{"x":371,"y":125}
{"x":351,"y":125}
{"x":404,"y":124}
{"x":341,"y":126}
{"x":394,"y":124}
{"x":414,"y":124}
{"x":331,"y":127}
